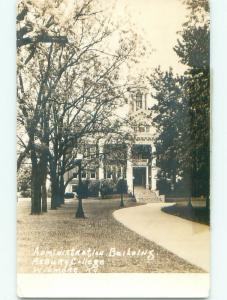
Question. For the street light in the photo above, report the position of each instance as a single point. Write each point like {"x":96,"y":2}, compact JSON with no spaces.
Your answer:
{"x":121,"y":188}
{"x":80,"y":211}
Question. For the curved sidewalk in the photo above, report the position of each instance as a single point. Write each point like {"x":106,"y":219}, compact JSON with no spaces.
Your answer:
{"x":189,"y":240}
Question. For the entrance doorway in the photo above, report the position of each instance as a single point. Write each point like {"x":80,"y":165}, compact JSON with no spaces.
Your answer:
{"x":139,"y":174}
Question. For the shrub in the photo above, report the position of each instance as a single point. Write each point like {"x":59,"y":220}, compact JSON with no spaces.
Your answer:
{"x":122,"y":187}
{"x":108,"y":187}
{"x":93,"y":188}
{"x":25,"y":194}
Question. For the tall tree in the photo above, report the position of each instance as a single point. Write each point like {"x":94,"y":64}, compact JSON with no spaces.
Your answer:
{"x":193,"y":49}
{"x":182,"y":110}
{"x":66,"y":92}
{"x":167,"y":115}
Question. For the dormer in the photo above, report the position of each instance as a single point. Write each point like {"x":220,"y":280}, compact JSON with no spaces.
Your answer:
{"x":138,"y":99}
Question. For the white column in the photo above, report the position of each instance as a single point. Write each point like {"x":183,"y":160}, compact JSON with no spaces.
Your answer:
{"x":153,"y":171}
{"x":69,"y":186}
{"x":101,"y":168}
{"x":129,"y":172}
{"x":153,"y":178}
{"x":147,"y":178}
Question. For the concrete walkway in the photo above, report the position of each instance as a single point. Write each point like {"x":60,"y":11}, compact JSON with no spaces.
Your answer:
{"x":186,"y":239}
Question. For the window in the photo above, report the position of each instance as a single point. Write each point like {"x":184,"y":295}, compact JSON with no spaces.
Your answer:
{"x":92,"y":151}
{"x":118,"y":172}
{"x":75,"y":175}
{"x":84,"y":174}
{"x":115,"y":153}
{"x":138,"y":100}
{"x":124,"y":173}
{"x":92,"y":175}
{"x":147,"y":128}
{"x":108,"y":173}
{"x":141,"y":151}
{"x":141,"y":129}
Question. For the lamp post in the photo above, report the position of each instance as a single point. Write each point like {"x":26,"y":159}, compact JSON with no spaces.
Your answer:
{"x":101,"y":157}
{"x":80,"y":211}
{"x":121,"y":183}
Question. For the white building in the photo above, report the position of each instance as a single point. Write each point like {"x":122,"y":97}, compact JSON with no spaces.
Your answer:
{"x":139,"y":167}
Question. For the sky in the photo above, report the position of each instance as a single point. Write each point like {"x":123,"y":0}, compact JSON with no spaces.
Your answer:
{"x":158,"y":22}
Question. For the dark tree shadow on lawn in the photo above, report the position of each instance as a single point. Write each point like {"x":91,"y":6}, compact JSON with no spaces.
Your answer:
{"x":188,"y":212}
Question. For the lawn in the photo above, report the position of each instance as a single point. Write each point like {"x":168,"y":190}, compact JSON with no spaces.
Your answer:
{"x":195,"y":212}
{"x":58,"y":242}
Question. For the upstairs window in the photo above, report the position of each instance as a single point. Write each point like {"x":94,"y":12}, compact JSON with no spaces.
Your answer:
{"x":148,"y":128}
{"x":138,"y":100}
{"x":92,"y":151}
{"x":140,"y":151}
{"x":119,"y":172}
{"x":141,"y":129}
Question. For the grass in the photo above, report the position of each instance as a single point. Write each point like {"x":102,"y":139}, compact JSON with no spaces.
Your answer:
{"x":60,"y":230}
{"x":192,"y":212}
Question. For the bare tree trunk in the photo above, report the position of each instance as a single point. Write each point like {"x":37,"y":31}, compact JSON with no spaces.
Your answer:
{"x":52,"y":183}
{"x":53,"y":191}
{"x":58,"y":199}
{"x":23,"y":155}
{"x":80,"y":211}
{"x":35,"y":183}
{"x":35,"y":192}
{"x":62,"y":190}
{"x":43,"y":177}
{"x":44,"y":158}
{"x":44,"y":194}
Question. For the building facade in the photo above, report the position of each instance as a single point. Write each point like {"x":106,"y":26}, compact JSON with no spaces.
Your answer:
{"x":136,"y":163}
{"x":141,"y":165}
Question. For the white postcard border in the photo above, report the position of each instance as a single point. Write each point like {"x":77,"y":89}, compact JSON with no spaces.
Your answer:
{"x":101,"y":285}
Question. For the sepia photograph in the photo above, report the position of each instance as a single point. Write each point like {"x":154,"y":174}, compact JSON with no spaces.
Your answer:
{"x":113,"y":145}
